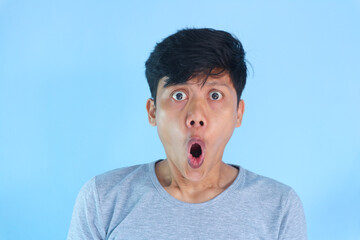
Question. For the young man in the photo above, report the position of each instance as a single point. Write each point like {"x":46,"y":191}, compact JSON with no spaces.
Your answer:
{"x":196,"y":77}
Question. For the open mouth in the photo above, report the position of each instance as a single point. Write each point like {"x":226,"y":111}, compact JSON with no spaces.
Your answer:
{"x":195,"y":150}
{"x":195,"y":153}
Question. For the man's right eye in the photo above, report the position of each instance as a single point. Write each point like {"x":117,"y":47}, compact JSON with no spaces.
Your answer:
{"x":179,"y":95}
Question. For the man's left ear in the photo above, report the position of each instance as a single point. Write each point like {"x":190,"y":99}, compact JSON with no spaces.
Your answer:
{"x":240,"y":112}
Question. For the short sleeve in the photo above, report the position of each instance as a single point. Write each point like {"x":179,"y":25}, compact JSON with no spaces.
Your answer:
{"x":293,"y":224}
{"x":86,"y":221}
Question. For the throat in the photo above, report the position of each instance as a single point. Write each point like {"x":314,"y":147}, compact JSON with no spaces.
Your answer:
{"x":193,"y":192}
{"x":179,"y":187}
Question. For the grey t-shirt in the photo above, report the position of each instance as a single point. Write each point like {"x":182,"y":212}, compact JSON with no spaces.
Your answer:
{"x":130,"y":203}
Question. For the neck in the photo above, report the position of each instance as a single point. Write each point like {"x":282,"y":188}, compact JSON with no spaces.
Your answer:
{"x":215,"y":182}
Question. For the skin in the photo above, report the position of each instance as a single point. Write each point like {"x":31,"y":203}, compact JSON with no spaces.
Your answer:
{"x":173,"y":119}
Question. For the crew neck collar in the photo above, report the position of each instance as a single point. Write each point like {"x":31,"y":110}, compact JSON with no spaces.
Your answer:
{"x":236,"y":184}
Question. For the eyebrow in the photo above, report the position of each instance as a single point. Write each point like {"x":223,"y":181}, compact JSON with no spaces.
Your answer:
{"x":215,"y":83}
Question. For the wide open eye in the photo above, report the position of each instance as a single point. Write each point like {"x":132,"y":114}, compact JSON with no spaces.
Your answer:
{"x":179,"y":95}
{"x":215,"y":95}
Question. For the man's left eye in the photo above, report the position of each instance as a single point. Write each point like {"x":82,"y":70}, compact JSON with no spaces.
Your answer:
{"x":215,"y":95}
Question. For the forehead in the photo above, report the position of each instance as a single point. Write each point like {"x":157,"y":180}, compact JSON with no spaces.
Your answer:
{"x":201,"y":80}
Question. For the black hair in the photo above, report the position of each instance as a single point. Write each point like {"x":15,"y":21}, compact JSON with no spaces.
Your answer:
{"x":195,"y":51}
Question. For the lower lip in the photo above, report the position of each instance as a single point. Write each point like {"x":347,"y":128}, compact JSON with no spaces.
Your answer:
{"x":196,"y":162}
{"x":193,"y":161}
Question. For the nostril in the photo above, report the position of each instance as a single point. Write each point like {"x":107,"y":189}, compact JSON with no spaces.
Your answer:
{"x":201,"y":123}
{"x":192,"y":122}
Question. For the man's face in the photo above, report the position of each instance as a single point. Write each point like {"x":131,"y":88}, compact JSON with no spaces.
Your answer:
{"x":195,"y":122}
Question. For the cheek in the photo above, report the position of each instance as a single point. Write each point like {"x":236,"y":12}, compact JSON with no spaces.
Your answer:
{"x":169,"y":111}
{"x":224,"y":123}
{"x":169,"y":125}
{"x":221,"y":138}
{"x":224,"y":112}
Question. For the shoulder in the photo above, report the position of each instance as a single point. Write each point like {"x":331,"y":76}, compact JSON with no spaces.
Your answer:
{"x":121,"y":179}
{"x":253,"y":180}
{"x":276,"y":200}
{"x":113,"y":189}
{"x":281,"y":201}
{"x":102,"y":196}
{"x":266,"y":189}
{"x":121,"y":175}
{"x":117,"y":181}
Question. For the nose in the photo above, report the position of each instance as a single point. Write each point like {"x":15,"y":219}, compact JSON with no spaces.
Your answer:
{"x":196,"y":115}
{"x":192,"y":123}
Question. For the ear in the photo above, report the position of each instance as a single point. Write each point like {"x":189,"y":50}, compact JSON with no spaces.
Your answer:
{"x":240,"y":113}
{"x":150,"y":107}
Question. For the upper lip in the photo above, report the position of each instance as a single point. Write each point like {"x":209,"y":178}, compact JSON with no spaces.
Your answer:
{"x":195,"y":139}
{"x":198,"y":140}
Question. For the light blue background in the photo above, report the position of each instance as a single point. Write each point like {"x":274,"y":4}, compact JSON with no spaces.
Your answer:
{"x":73,"y":92}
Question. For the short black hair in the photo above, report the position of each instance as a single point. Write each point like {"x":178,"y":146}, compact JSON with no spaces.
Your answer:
{"x":193,"y":51}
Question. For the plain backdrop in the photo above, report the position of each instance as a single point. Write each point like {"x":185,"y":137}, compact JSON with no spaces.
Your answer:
{"x":73,"y":93}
